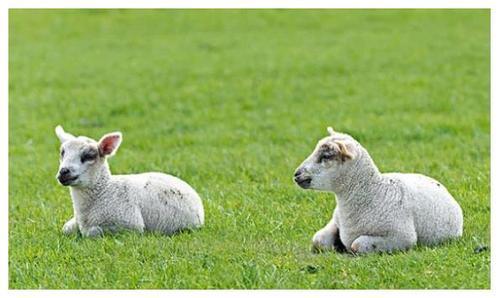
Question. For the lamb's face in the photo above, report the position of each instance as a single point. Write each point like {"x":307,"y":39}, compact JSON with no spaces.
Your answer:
{"x":329,"y":160}
{"x":81,"y":157}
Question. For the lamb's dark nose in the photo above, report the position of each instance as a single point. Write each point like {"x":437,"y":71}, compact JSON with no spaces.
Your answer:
{"x":302,"y":179}
{"x":65,"y":176}
{"x":64,"y":172}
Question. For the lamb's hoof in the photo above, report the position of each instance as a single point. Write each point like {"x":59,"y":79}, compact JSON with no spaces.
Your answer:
{"x":321,"y":243}
{"x":69,"y":228}
{"x":94,"y":232}
{"x":361,"y":246}
{"x":355,"y":248}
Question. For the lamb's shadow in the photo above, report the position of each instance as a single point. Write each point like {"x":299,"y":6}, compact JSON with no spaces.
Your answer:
{"x":123,"y":233}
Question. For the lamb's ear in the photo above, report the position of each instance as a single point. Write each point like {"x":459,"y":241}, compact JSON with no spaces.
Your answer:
{"x":109,"y":143}
{"x":344,"y":151}
{"x":62,"y":135}
{"x":330,"y":130}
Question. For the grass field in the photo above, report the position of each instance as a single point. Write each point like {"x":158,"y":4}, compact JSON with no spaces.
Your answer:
{"x":232,"y":101}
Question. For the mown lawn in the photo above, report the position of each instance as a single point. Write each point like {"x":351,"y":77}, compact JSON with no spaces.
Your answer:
{"x":232,"y":101}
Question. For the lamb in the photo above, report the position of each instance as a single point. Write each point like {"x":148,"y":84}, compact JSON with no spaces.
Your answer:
{"x":109,"y":203}
{"x":376,"y":212}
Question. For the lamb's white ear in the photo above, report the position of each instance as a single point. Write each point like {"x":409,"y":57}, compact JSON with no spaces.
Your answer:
{"x":109,"y":143}
{"x":62,"y":135}
{"x":330,"y":130}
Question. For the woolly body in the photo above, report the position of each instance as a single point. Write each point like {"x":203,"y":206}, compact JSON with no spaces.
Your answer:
{"x":374,"y":211}
{"x":104,"y":202}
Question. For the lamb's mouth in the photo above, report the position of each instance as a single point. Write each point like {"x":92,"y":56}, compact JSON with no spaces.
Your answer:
{"x":303,"y":182}
{"x":67,"y":180}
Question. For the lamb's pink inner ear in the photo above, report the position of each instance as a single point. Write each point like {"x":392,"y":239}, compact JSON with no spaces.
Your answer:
{"x":109,"y":144}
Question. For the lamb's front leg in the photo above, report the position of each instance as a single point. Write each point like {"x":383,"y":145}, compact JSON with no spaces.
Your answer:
{"x":367,"y":244}
{"x":328,"y":238}
{"x":70,"y":227}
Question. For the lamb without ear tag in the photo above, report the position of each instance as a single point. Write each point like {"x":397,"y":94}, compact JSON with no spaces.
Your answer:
{"x":375,"y":211}
{"x":105,"y":202}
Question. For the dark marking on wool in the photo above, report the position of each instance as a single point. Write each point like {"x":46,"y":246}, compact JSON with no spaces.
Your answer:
{"x":326,"y":153}
{"x":373,"y":246}
{"x":148,"y":183}
{"x":89,"y":154}
{"x":123,"y":193}
{"x":177,"y":193}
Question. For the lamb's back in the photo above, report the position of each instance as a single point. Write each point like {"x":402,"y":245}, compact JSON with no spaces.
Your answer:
{"x":436,"y":214}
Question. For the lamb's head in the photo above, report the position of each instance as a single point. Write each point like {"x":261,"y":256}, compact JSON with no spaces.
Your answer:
{"x":331,"y":158}
{"x":82,"y":159}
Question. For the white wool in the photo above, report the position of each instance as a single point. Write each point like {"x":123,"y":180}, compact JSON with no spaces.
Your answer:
{"x":141,"y":202}
{"x":375,"y":211}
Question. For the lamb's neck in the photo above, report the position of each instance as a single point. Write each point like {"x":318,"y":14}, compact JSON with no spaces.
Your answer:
{"x":359,"y":183}
{"x":86,"y":194}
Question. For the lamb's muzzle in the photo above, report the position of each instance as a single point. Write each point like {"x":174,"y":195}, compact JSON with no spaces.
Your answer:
{"x":302,"y":179}
{"x":65,"y":177}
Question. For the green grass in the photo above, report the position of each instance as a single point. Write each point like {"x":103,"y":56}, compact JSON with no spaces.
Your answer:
{"x":232,"y":101}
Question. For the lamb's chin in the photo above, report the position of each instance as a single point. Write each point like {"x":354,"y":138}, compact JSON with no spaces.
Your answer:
{"x":68,"y":182}
{"x":75,"y":183}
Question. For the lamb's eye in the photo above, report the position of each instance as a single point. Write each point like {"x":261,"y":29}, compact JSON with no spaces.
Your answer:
{"x":62,"y":153}
{"x":325,"y":156}
{"x":88,"y":156}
